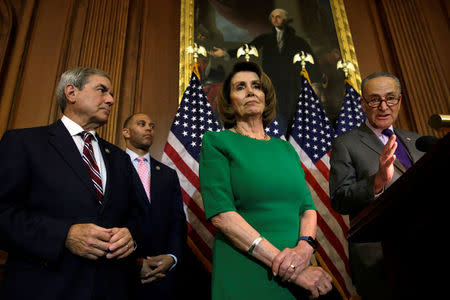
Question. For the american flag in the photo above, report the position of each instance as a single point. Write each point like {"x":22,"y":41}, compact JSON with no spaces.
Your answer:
{"x":274,"y":130}
{"x":311,"y":136}
{"x":182,"y":152}
{"x":351,"y":114}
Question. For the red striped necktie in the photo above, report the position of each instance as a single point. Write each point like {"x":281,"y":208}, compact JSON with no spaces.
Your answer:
{"x":89,"y":160}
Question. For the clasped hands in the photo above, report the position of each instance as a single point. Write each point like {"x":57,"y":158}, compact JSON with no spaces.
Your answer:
{"x":92,"y":241}
{"x":292,"y":265}
{"x":155,"y":267}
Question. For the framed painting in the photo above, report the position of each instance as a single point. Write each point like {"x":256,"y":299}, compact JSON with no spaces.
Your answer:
{"x":317,"y":27}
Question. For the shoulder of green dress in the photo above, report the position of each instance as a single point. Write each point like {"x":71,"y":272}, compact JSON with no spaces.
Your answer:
{"x":214,"y":137}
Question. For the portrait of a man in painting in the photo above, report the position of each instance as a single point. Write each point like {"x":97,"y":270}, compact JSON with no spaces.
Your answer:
{"x":278,"y":30}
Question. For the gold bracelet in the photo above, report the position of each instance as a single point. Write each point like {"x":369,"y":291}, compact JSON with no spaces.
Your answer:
{"x":254,"y":244}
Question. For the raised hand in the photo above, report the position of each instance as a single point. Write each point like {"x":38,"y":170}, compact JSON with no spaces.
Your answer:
{"x":385,"y":165}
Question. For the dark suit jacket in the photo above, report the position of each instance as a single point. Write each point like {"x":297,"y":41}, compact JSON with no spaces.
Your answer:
{"x":164,"y":230}
{"x":45,"y":188}
{"x":354,"y":163}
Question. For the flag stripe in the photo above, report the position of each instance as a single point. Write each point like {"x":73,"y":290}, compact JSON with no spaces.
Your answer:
{"x":197,"y":211}
{"x":338,"y":263}
{"x":205,"y":249}
{"x":333,"y":239}
{"x":182,"y":166}
{"x":329,"y":217}
{"x":198,"y":253}
{"x":324,"y":197}
{"x":323,"y":169}
{"x":334,"y":271}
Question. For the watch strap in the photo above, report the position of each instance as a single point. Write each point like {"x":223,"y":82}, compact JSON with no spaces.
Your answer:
{"x":310,"y":240}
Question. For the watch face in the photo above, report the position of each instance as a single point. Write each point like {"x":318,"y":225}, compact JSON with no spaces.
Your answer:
{"x":310,"y":241}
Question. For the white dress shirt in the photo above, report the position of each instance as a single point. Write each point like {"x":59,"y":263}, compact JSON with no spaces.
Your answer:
{"x":75,"y":130}
{"x":134,"y":156}
{"x":384,"y":139}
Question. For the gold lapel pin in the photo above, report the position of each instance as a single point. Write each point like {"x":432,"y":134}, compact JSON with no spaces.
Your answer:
{"x":107,"y":151}
{"x":157,"y":168}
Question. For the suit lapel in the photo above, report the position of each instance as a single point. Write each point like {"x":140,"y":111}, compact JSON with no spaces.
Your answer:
{"x":106,"y":154}
{"x":409,"y":144}
{"x":63,"y":143}
{"x":369,"y":139}
{"x":155,"y":183}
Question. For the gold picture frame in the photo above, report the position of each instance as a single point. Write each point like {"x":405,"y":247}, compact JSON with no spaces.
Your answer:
{"x":347,"y":50}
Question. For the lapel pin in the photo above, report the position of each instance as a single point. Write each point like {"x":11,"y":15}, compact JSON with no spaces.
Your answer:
{"x":107,"y":151}
{"x":157,"y":168}
{"x":408,"y":139}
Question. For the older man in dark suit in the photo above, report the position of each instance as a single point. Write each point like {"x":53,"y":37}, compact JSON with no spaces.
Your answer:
{"x":67,"y":206}
{"x":164,"y":230}
{"x":366,"y":161}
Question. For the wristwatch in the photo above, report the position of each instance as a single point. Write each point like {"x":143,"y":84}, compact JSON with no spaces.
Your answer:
{"x":310,"y":240}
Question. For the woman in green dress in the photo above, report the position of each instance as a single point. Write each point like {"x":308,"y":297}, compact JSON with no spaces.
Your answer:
{"x":254,"y":192}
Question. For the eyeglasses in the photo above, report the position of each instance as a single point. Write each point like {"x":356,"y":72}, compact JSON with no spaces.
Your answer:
{"x":375,"y":101}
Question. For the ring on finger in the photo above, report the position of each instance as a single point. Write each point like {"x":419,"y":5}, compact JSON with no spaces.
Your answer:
{"x":292,"y":267}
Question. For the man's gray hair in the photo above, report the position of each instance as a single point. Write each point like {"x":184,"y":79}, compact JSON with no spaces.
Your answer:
{"x":78,"y":77}
{"x":381,"y":74}
{"x":282,"y":11}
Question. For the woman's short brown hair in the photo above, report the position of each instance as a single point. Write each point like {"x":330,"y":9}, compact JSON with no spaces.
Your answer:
{"x":226,"y":112}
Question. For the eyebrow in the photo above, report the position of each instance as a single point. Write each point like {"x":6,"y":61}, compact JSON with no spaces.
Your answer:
{"x":243,"y":82}
{"x":388,"y":93}
{"x":105,"y":87}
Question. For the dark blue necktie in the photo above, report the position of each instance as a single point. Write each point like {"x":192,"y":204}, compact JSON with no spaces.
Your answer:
{"x":400,"y":152}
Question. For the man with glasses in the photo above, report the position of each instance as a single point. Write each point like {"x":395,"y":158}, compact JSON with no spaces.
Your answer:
{"x":366,"y":161}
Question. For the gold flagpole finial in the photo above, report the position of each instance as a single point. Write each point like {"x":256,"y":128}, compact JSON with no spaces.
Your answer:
{"x":247,"y":51}
{"x":303,"y":57}
{"x":346,"y":66}
{"x":196,"y":50}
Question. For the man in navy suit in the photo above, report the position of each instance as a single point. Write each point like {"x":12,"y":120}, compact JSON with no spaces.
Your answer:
{"x":164,"y":232}
{"x":68,"y":209}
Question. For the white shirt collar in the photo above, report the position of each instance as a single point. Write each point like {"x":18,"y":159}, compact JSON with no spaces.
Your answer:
{"x":74,"y":128}
{"x":133,"y":155}
{"x":377,"y":131}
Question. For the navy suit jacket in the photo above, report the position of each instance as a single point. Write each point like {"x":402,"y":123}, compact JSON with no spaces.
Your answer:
{"x":164,"y":229}
{"x":45,"y":188}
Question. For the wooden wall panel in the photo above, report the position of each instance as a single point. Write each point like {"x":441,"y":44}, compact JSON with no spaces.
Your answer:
{"x":34,"y":96}
{"x":160,"y":60}
{"x":408,"y":38}
{"x":421,"y":70}
{"x":13,"y":61}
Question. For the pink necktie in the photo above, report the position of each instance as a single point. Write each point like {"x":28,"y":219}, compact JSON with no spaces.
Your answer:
{"x":144,"y":174}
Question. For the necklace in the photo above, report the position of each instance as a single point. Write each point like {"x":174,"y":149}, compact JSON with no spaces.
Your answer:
{"x":238,"y":131}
